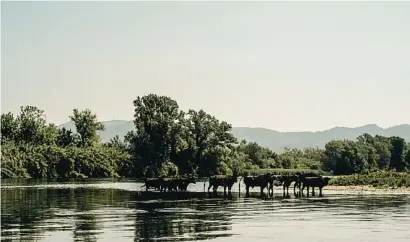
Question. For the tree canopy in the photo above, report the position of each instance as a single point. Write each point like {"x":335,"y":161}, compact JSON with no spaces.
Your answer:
{"x":167,"y":141}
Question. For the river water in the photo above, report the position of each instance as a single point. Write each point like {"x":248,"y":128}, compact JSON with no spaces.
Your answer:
{"x":103,"y":210}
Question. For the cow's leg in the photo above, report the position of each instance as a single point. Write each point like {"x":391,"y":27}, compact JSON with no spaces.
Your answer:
{"x":307,"y":190}
{"x":247,"y":190}
{"x":320,"y":192}
{"x":209,"y":186}
{"x":313,"y":191}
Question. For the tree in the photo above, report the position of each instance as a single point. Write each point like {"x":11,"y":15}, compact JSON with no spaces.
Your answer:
{"x":398,"y":147}
{"x":258,"y":155}
{"x":33,"y":126}
{"x":407,"y":158}
{"x":155,"y":120}
{"x":87,"y":126}
{"x":207,"y":132}
{"x":9,"y":127}
{"x":383,"y":148}
{"x":65,"y":137}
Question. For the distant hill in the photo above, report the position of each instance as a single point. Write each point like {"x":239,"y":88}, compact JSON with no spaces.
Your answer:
{"x":275,"y":140}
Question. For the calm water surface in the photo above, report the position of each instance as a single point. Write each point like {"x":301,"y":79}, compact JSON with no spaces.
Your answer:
{"x":102,"y":210}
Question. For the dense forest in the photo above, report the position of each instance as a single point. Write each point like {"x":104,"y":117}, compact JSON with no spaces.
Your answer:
{"x":168,"y":141}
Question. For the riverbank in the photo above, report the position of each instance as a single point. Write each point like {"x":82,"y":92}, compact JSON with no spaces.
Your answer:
{"x":367,"y":188}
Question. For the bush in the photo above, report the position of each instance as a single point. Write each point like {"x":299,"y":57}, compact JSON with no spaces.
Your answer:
{"x":258,"y":172}
{"x":376,"y":179}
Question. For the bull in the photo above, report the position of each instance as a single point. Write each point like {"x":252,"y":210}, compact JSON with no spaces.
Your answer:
{"x":301,"y":177}
{"x":313,"y":182}
{"x":152,"y":182}
{"x":261,"y":181}
{"x":286,"y":181}
{"x":222,"y":180}
{"x":274,"y":180}
{"x":170,"y":184}
{"x":185,"y":181}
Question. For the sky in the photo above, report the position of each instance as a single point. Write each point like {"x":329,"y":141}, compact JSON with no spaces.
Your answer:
{"x":287,"y":66}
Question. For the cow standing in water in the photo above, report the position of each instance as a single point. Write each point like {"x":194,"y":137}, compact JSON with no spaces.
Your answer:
{"x":222,"y":180}
{"x":185,"y":181}
{"x":286,"y":182}
{"x":274,"y":180}
{"x":300,"y":178}
{"x":313,"y":182}
{"x":177,"y":183}
{"x":261,"y":181}
{"x":152,"y":182}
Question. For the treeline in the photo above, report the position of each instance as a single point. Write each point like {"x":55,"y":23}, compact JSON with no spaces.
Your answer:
{"x":168,"y":141}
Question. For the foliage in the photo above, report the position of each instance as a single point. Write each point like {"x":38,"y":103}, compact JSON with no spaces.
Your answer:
{"x":282,"y":171}
{"x":168,"y":141}
{"x":87,"y":125}
{"x":376,"y":179}
{"x":367,"y":154}
{"x":168,"y":169}
{"x":50,"y":161}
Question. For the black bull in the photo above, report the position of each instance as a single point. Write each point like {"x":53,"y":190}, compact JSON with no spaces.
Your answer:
{"x":170,"y":184}
{"x":301,"y":181}
{"x":313,"y":182}
{"x":221,"y":180}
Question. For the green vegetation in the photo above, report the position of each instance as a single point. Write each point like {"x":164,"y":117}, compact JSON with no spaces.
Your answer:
{"x":284,"y":172}
{"x":376,"y":179}
{"x":168,"y":141}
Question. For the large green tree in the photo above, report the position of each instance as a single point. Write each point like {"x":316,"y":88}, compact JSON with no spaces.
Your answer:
{"x":155,"y":119}
{"x":207,"y":132}
{"x":87,"y":125}
{"x":398,"y":149}
{"x":9,"y":127}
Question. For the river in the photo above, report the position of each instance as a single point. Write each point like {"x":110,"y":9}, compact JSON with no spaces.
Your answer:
{"x":103,"y":210}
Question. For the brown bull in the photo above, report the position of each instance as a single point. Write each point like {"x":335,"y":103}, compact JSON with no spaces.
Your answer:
{"x":222,"y":180}
{"x":313,"y":182}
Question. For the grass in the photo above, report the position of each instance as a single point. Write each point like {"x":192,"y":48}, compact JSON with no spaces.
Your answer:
{"x":283,"y":172}
{"x":381,"y":179}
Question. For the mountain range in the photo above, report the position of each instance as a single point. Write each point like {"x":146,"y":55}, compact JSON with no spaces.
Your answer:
{"x":272,"y":139}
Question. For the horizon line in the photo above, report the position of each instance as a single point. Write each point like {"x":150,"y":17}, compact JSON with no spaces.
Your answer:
{"x":257,"y":127}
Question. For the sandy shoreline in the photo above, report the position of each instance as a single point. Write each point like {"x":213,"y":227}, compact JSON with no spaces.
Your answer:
{"x":366,"y":188}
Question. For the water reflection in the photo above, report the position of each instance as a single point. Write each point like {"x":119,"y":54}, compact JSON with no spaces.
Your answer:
{"x":91,"y":213}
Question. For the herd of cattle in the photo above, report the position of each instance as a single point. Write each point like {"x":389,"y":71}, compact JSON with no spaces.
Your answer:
{"x":268,"y":181}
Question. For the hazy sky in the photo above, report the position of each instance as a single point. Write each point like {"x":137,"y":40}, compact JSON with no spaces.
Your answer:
{"x":287,"y":66}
